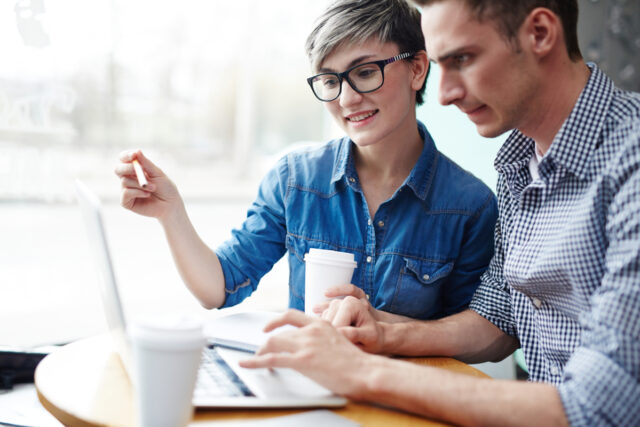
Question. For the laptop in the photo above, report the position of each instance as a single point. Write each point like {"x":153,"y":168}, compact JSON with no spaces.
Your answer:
{"x":221,"y":383}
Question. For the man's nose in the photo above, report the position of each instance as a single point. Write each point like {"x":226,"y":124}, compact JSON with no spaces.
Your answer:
{"x":451,"y":89}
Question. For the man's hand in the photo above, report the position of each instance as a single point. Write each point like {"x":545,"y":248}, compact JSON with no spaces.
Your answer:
{"x":320,"y":352}
{"x":353,"y":318}
{"x":315,"y":349}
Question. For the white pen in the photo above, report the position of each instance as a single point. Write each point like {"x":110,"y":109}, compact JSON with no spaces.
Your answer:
{"x":142,"y":180}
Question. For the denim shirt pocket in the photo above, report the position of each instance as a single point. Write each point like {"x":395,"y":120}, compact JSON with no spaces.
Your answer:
{"x":418,"y":289}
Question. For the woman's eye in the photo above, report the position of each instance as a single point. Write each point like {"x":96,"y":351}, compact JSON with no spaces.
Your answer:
{"x":330,"y":83}
{"x":365,"y":73}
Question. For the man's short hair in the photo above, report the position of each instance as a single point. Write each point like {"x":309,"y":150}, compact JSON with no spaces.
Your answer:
{"x":509,"y":15}
{"x":355,"y":21}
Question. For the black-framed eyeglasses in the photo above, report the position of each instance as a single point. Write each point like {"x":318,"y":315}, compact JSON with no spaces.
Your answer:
{"x":362,"y":78}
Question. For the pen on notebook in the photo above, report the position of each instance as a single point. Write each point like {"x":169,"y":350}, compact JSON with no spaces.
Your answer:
{"x":142,"y":180}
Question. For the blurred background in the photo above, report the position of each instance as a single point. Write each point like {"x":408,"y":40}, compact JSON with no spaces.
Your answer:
{"x":214,"y":92}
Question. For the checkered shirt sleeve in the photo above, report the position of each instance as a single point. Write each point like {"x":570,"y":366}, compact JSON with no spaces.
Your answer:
{"x":601,"y":383}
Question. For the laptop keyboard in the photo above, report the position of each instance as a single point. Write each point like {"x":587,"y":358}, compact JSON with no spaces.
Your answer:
{"x":217,"y":379}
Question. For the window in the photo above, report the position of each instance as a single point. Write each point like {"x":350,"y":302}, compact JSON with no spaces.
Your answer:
{"x":213,"y":91}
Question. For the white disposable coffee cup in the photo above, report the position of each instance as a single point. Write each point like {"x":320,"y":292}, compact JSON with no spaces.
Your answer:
{"x":166,"y":354}
{"x":324,"y":269}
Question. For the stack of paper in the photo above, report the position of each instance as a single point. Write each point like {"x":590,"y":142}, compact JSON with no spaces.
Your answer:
{"x":241,"y":331}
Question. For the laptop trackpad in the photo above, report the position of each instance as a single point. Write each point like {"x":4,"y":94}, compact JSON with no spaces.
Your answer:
{"x":272,"y":384}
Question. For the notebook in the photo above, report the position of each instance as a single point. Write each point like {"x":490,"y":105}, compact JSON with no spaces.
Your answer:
{"x":241,"y":331}
{"x":221,"y":383}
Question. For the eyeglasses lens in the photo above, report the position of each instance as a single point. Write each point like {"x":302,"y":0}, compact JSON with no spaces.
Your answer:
{"x":365,"y":78}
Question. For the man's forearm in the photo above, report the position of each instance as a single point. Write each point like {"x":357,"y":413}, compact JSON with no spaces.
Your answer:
{"x":466,"y":336}
{"x":385,"y":316}
{"x":458,"y":398}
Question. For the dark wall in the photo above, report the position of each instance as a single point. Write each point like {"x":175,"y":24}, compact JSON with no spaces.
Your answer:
{"x":609,"y":33}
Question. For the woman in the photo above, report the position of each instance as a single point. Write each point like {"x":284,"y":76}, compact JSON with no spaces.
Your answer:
{"x":420,"y":227}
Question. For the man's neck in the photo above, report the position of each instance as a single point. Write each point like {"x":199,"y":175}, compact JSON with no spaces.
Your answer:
{"x":557,"y":100}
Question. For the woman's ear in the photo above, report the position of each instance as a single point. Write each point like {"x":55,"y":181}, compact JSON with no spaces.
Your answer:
{"x":419,"y":67}
{"x":541,"y":31}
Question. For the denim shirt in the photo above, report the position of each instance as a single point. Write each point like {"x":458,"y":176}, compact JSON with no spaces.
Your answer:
{"x":420,"y":256}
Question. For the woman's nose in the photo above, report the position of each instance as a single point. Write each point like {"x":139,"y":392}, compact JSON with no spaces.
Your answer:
{"x":348,"y":95}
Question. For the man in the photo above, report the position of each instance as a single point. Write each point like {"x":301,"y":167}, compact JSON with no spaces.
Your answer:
{"x":564,"y":284}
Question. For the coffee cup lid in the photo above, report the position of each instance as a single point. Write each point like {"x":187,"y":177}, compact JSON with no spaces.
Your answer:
{"x":327,"y":256}
{"x":168,"y":331}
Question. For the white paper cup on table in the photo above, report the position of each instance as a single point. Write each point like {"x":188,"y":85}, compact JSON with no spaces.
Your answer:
{"x":324,"y":269}
{"x":166,"y":355}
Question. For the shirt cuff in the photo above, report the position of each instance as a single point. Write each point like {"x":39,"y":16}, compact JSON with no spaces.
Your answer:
{"x":495,"y":306}
{"x":597,"y":391}
{"x":237,"y":287}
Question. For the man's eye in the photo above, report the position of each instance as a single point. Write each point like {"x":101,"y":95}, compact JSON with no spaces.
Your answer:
{"x":461,"y":59}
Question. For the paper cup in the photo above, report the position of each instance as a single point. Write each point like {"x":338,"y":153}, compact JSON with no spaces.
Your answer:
{"x":324,"y":269}
{"x":166,"y":353}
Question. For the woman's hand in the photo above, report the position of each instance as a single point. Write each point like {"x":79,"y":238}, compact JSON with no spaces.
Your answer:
{"x":340,"y":292}
{"x":328,"y":310}
{"x":158,"y":199}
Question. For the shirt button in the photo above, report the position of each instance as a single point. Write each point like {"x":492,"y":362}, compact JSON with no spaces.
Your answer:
{"x":369,"y":222}
{"x":380,"y":224}
{"x":367,"y":295}
{"x":352,"y":179}
{"x":425,"y":277}
{"x":369,"y":259}
{"x":554,"y":370}
{"x":536,"y":302}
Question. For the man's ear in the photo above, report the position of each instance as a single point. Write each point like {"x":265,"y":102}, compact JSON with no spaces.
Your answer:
{"x":541,"y":31}
{"x":420,"y":67}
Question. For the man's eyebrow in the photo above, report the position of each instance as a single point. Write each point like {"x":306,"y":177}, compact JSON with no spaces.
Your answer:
{"x":351,"y":64}
{"x":448,"y":55}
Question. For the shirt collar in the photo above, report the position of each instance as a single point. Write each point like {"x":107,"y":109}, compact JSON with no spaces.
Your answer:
{"x":421,"y":176}
{"x":578,"y":136}
{"x":419,"y":180}
{"x":344,"y":158}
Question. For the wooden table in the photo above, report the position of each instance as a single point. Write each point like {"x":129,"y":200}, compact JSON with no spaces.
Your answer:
{"x":84,"y":384}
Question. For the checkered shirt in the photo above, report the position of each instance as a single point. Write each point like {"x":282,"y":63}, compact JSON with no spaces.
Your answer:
{"x":565,"y":278}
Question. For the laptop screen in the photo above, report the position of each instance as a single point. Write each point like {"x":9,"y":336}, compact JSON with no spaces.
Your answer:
{"x":92,"y":216}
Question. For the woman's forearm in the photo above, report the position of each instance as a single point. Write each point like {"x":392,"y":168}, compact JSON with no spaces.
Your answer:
{"x":197,"y":264}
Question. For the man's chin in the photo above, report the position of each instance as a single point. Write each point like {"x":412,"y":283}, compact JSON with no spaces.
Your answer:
{"x":487,"y":131}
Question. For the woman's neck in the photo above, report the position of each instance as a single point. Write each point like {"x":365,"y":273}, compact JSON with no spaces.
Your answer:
{"x":391,"y":159}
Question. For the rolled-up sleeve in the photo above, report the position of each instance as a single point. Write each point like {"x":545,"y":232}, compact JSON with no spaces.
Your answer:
{"x":601,"y":383}
{"x":259,"y":243}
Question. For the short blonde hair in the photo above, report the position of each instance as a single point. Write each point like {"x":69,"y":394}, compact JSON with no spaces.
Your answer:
{"x":356,"y":21}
